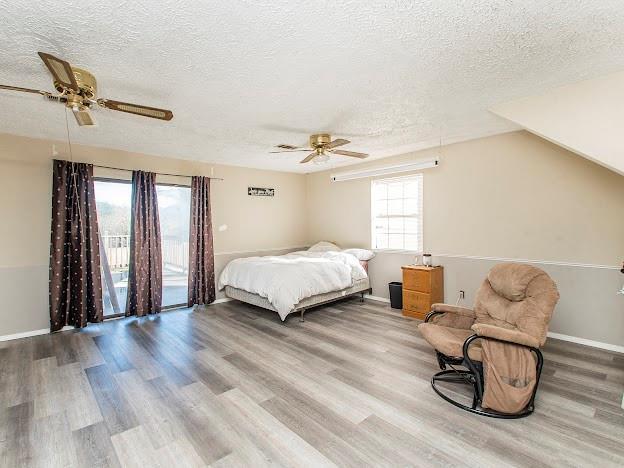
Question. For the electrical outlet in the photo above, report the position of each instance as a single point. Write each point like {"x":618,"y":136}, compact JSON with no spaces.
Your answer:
{"x":462,"y":295}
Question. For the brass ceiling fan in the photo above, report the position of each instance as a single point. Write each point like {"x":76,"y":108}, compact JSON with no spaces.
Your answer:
{"x":321,"y":146}
{"x":78,"y":91}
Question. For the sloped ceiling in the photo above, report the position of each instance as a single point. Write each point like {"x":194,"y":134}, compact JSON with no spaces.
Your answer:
{"x":241,"y":76}
{"x":585,"y":117}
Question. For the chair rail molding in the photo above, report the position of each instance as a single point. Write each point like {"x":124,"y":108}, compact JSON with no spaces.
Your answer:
{"x":501,"y":259}
{"x":272,"y":249}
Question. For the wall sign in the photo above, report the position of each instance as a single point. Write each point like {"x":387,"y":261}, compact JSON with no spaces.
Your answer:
{"x":260,"y":192}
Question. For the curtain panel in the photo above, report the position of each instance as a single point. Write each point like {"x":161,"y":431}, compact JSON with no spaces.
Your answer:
{"x":201,"y":286}
{"x":75,"y":277}
{"x":145,"y":269}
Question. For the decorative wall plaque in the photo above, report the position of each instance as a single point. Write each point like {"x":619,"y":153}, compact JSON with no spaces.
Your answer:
{"x":260,"y":192}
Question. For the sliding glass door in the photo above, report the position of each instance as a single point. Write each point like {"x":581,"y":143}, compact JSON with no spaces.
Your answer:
{"x":112,"y":199}
{"x":174,"y":211}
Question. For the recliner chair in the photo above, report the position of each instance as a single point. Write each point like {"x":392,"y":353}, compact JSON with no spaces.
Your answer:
{"x":498,"y":342}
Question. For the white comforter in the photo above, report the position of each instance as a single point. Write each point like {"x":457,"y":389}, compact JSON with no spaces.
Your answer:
{"x":287,"y":279}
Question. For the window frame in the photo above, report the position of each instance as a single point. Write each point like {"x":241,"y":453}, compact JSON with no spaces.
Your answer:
{"x":420,"y":200}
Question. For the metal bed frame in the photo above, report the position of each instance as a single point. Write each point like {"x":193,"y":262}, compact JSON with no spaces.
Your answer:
{"x":360,"y":287}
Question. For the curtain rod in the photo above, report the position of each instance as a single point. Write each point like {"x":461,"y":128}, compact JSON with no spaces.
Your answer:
{"x":159,"y":173}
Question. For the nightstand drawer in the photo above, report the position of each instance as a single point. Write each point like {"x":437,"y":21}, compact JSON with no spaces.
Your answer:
{"x":416,"y":302}
{"x":416,"y":280}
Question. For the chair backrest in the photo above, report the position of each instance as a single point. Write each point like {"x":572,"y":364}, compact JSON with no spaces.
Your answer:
{"x":519,"y":297}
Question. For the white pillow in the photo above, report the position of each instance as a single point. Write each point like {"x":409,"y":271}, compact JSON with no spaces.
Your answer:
{"x":362,"y":255}
{"x":324,"y":246}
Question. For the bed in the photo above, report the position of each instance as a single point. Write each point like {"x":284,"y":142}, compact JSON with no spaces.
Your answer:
{"x":295,"y":282}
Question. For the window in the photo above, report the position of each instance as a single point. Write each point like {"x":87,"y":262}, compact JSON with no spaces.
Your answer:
{"x":396,"y":213}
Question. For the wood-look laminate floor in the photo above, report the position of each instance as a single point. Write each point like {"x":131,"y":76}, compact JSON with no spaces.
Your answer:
{"x":229,"y":385}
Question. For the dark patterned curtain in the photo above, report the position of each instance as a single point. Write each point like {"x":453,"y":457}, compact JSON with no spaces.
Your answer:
{"x":145,"y":272}
{"x":75,"y":277}
{"x":201,"y":288}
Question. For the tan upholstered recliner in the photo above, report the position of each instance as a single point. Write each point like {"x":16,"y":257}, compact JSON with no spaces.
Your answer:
{"x":498,"y":342}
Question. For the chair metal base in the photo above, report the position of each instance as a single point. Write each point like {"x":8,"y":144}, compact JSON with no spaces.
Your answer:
{"x":466,"y":377}
{"x":473,"y":376}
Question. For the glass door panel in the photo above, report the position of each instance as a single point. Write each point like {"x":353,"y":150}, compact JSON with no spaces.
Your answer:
{"x":112,"y":201}
{"x":174,"y":211}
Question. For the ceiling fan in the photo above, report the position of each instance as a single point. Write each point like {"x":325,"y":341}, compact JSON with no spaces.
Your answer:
{"x":321,"y":146}
{"x":78,"y":91}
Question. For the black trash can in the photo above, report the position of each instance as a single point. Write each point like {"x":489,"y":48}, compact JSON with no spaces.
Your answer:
{"x":396,"y":294}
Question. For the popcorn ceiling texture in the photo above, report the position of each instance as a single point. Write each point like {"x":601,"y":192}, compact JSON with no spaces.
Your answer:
{"x":241,"y":76}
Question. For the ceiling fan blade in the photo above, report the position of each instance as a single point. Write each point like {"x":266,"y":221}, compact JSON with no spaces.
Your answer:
{"x":24,"y":90}
{"x":309,"y":157}
{"x":288,"y":147}
{"x":350,"y":153}
{"x":83,"y":117}
{"x":61,"y":71}
{"x":292,"y":151}
{"x":145,"y":111}
{"x":337,"y":142}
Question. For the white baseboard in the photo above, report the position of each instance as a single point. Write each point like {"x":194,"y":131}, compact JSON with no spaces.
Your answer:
{"x":586,"y":342}
{"x":28,"y":334}
{"x":215,"y":302}
{"x":223,"y":299}
{"x":16,"y":336}
{"x":377,"y":298}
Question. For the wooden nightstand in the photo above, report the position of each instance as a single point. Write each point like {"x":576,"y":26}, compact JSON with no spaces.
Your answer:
{"x":422,"y":286}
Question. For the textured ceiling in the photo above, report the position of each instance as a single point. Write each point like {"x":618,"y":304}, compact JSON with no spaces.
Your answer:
{"x":241,"y":76}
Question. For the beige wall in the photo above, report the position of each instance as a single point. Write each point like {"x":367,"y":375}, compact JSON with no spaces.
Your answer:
{"x":254,"y":223}
{"x":513,"y":195}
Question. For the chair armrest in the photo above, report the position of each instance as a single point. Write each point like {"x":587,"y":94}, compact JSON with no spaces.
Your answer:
{"x":463,"y":311}
{"x":451,"y":316}
{"x":504,"y":334}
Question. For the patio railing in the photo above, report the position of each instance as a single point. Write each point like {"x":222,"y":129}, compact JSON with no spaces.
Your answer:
{"x":117,"y":250}
{"x":175,"y":252}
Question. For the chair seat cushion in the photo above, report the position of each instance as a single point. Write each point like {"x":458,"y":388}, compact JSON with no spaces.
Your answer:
{"x":450,"y":341}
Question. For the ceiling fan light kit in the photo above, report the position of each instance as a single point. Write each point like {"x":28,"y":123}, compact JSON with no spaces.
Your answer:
{"x":321,"y":147}
{"x":321,"y":159}
{"x":78,"y":92}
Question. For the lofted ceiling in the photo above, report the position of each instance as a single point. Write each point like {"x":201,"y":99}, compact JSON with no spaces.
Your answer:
{"x":243,"y":75}
{"x":584,"y":117}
